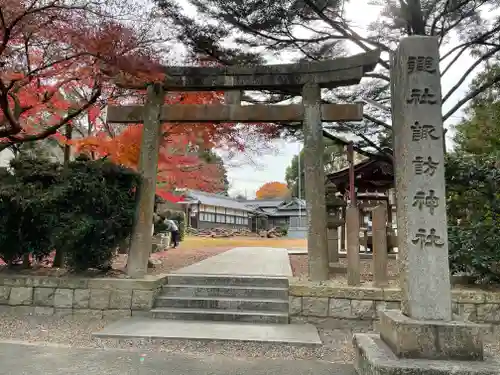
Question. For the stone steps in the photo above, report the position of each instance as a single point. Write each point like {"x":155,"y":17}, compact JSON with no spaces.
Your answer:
{"x":227,"y":280}
{"x":224,"y":303}
{"x":137,"y":329}
{"x":216,"y":315}
{"x":223,"y":298}
{"x":190,"y":290}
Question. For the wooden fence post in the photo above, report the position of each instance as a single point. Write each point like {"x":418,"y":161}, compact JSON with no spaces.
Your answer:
{"x":380,"y":245}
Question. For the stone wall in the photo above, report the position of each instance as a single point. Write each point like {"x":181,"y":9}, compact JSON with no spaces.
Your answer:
{"x":313,"y":302}
{"x":92,"y":297}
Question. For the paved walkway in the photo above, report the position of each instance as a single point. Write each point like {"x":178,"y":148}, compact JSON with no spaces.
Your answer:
{"x":244,"y":261}
{"x":136,"y":327}
{"x":52,"y":360}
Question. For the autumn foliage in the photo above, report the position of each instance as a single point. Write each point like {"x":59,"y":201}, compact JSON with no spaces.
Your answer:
{"x":58,"y":62}
{"x":181,"y":163}
{"x":272,"y":190}
{"x":52,"y":57}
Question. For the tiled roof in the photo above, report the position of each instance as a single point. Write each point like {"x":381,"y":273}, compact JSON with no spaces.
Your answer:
{"x":271,"y":207}
{"x":216,"y":200}
{"x":265,"y":202}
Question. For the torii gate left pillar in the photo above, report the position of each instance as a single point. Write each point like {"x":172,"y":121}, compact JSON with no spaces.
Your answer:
{"x":306,"y":78}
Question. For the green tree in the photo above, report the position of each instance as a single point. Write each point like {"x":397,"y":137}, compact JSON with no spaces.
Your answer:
{"x":479,"y":133}
{"x":331,"y":159}
{"x":318,"y":29}
{"x":473,"y":200}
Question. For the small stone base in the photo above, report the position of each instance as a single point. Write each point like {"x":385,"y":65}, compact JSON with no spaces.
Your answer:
{"x":410,"y":338}
{"x":373,"y":356}
{"x":337,"y":268}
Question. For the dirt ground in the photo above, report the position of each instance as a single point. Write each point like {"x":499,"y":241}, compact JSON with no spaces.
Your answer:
{"x":300,"y":267}
{"x":195,"y":249}
{"x":197,"y":242}
{"x":191,"y":250}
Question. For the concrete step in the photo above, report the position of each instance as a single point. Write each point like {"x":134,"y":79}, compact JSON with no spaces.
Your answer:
{"x":189,"y":290}
{"x":156,"y":329}
{"x":224,"y":303}
{"x":221,"y":315}
{"x":227,"y":280}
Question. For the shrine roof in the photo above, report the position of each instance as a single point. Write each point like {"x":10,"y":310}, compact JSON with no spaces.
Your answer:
{"x":376,"y":172}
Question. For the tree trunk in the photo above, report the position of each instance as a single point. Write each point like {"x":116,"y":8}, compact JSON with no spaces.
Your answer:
{"x":59,"y":257}
{"x":26,"y":261}
{"x":416,"y":17}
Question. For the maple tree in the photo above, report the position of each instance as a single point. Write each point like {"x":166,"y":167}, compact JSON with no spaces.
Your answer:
{"x":273,"y":189}
{"x":182,"y":159}
{"x":62,"y":76}
{"x":53,"y":54}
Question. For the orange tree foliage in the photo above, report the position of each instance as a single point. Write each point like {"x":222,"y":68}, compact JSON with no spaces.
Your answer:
{"x":272,"y":190}
{"x":181,"y":163}
{"x":52,"y":55}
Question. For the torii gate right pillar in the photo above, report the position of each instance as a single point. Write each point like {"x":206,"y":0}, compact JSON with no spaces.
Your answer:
{"x":317,"y":243}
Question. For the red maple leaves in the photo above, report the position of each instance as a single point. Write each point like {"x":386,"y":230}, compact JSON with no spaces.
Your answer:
{"x":53,"y":54}
{"x":56,"y":60}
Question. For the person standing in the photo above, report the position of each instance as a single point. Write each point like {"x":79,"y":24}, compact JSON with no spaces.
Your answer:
{"x":174,"y":232}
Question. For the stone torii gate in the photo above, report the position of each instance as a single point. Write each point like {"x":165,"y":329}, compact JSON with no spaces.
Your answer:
{"x":306,"y":78}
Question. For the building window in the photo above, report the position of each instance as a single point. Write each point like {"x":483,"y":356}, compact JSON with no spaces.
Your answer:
{"x":204,"y":216}
{"x":221,"y":218}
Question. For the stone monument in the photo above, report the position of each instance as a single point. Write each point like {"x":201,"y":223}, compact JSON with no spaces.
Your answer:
{"x":423,"y":337}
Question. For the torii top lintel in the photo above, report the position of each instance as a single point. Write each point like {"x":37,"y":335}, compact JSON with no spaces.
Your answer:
{"x":338,"y":72}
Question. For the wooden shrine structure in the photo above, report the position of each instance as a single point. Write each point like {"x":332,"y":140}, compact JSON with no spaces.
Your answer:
{"x":306,"y":79}
{"x":367,"y":184}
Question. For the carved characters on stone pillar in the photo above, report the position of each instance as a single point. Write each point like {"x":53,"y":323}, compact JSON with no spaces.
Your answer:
{"x":421,"y":64}
{"x":422,"y":132}
{"x":422,"y":96}
{"x":425,"y":166}
{"x":427,"y":239}
{"x":423,"y":199}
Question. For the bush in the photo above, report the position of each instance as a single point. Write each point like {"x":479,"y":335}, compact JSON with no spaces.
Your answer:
{"x":24,"y":201}
{"x":475,"y":251}
{"x":282,"y":231}
{"x":473,"y":216}
{"x":102,"y":200}
{"x":84,"y":211}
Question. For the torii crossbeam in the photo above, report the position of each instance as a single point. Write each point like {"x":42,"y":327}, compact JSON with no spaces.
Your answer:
{"x":306,"y":79}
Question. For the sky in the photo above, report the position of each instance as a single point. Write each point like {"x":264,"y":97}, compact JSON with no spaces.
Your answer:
{"x":247,"y":179}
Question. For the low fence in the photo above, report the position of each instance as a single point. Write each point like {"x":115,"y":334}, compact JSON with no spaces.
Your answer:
{"x":314,"y":302}
{"x":90,"y":297}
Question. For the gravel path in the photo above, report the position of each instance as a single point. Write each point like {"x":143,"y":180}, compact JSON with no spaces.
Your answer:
{"x":77,"y":333}
{"x":73,"y":332}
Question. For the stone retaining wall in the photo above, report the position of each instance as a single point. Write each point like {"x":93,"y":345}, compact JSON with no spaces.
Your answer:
{"x":92,"y":297}
{"x":311,"y":302}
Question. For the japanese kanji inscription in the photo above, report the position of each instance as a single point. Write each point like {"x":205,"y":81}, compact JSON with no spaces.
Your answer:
{"x":423,"y":199}
{"x":421,"y":64}
{"x":424,"y":166}
{"x":426,"y":239}
{"x":422,"y":96}
{"x":423,"y":132}
{"x":419,"y":176}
